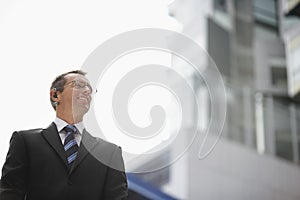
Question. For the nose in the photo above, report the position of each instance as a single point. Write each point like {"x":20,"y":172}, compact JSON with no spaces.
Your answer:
{"x":87,"y":90}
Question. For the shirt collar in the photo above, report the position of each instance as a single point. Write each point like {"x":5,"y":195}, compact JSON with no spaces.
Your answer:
{"x":60,"y":124}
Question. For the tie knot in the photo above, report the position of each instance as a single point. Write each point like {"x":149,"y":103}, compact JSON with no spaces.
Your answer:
{"x":70,"y":129}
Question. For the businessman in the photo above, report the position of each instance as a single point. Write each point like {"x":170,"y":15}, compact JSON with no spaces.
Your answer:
{"x":61,"y":162}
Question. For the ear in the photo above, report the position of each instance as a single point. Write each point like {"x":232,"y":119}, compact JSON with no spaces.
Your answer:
{"x":53,"y":95}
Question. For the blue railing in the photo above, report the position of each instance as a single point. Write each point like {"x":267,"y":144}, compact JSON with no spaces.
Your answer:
{"x":145,"y":189}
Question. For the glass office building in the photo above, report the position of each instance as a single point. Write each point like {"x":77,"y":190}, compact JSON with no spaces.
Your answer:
{"x":256,"y":46}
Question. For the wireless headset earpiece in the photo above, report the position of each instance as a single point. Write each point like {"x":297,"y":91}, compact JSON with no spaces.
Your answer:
{"x":55,"y":94}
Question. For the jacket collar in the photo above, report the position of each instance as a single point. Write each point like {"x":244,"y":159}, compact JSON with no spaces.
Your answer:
{"x":88,"y":142}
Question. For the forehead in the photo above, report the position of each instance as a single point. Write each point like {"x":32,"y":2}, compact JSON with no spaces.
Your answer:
{"x":71,"y":77}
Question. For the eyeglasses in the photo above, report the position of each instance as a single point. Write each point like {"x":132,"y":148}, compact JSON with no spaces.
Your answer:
{"x":80,"y":84}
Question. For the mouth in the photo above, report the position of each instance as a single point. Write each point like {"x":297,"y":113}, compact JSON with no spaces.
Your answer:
{"x":83,"y":99}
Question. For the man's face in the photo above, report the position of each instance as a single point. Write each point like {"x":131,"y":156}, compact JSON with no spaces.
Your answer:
{"x":76,"y":96}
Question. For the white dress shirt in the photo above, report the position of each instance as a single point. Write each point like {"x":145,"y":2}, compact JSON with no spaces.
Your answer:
{"x":60,"y":124}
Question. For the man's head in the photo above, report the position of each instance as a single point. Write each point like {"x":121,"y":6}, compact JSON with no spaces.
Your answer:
{"x":70,"y":94}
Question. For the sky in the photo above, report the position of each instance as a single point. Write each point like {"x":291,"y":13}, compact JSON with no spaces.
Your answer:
{"x":41,"y":39}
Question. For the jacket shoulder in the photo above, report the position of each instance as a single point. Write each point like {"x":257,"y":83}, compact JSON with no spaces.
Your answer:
{"x":31,"y":131}
{"x":36,"y":131}
{"x":101,"y":141}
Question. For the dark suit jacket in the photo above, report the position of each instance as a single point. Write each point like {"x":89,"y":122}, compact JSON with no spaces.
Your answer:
{"x":36,"y":169}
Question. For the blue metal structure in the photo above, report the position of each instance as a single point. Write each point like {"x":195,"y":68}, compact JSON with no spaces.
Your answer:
{"x":143,"y":190}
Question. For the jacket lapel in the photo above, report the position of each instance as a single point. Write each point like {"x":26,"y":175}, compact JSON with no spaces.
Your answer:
{"x":52,"y":136}
{"x":87,"y":144}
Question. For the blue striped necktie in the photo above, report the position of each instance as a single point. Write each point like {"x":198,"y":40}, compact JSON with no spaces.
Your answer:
{"x":70,"y":144}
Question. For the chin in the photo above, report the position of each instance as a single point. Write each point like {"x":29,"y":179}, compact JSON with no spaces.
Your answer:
{"x":81,"y":110}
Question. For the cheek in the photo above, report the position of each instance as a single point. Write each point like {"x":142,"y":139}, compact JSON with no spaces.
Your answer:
{"x":67,"y":97}
{"x":74,"y":95}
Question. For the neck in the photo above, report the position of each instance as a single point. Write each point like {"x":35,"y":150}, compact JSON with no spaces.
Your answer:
{"x":69,"y":117}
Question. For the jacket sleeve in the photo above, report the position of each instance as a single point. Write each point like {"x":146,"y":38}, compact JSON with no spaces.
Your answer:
{"x":14,"y":171}
{"x":116,"y":186}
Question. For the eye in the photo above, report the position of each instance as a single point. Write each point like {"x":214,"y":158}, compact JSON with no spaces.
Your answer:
{"x":81,"y":84}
